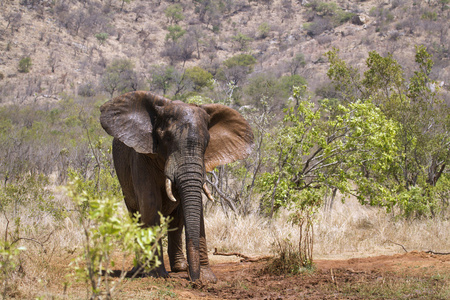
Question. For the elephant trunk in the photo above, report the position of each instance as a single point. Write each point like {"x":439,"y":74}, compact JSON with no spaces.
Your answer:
{"x":189,"y":183}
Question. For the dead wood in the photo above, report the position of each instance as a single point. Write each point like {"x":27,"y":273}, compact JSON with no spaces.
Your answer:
{"x":244,"y":257}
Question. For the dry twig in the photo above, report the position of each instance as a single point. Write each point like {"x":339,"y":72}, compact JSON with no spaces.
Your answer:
{"x":437,"y":253}
{"x":244,"y":257}
{"x":398,"y":245}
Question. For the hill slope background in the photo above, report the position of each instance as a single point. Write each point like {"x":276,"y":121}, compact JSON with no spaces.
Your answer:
{"x":71,"y":43}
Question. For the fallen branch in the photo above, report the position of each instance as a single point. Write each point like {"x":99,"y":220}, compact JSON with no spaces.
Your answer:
{"x":398,"y":245}
{"x":244,"y":257}
{"x":437,"y":253}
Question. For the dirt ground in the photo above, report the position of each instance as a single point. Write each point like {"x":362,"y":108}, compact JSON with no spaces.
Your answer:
{"x":413,"y":275}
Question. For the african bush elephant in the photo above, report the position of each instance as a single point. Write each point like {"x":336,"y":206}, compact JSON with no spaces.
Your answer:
{"x":162,"y":150}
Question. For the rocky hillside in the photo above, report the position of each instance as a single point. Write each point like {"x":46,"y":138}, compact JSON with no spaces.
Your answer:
{"x":66,"y":47}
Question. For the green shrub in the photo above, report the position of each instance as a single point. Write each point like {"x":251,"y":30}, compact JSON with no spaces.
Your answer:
{"x":101,"y":37}
{"x":29,"y":192}
{"x":87,"y":90}
{"x":263,"y":30}
{"x":241,"y":40}
{"x":429,"y":15}
{"x":199,"y":77}
{"x":25,"y":65}
{"x":175,"y":33}
{"x":174,"y":13}
{"x":242,"y":60}
{"x":287,"y":260}
{"x":120,"y":77}
{"x":106,"y":228}
{"x":9,"y":259}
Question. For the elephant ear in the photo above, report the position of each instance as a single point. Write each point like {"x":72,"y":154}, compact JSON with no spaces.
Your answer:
{"x":130,"y":119}
{"x":231,"y":137}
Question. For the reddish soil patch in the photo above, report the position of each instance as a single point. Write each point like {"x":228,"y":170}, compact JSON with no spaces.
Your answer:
{"x":332,"y":279}
{"x":413,"y":275}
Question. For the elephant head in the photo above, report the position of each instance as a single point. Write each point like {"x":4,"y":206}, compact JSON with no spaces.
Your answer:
{"x":186,"y":140}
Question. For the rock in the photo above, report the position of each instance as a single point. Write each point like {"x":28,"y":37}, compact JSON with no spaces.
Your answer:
{"x":359,"y":20}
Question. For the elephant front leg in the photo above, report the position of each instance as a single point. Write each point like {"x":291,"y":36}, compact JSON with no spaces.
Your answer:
{"x":177,"y":260}
{"x":206,"y":274}
{"x":139,"y":270}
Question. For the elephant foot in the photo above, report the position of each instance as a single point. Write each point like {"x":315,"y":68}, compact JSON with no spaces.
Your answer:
{"x":207,"y":275}
{"x":159,"y":273}
{"x":138,"y":271}
{"x":179,"y":266}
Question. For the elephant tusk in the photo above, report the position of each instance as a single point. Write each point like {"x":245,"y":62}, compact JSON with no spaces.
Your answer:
{"x":169,"y":190}
{"x":207,"y":192}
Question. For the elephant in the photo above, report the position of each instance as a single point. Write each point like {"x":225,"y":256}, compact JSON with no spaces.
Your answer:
{"x":162,"y":150}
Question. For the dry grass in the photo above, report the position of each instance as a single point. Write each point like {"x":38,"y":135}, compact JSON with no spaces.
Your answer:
{"x":349,"y":230}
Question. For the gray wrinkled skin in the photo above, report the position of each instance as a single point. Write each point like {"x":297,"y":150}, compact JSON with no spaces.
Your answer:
{"x":155,"y":139}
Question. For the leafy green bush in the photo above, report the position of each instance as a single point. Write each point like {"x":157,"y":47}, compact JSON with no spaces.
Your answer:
{"x":163,"y":77}
{"x":275,"y":91}
{"x":429,"y":15}
{"x":102,"y":37}
{"x":263,"y":30}
{"x":175,"y":33}
{"x":9,"y":259}
{"x":199,"y":77}
{"x":174,"y":13}
{"x":241,"y":60}
{"x":413,"y":104}
{"x":106,"y":228}
{"x":120,"y":77}
{"x":25,"y":65}
{"x":241,"y":41}
{"x":29,"y":192}
{"x":328,"y":15}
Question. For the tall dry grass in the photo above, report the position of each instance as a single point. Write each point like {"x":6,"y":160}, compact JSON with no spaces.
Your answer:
{"x":348,"y":230}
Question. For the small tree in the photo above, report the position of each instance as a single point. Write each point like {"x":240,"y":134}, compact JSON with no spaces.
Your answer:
{"x":175,"y":33}
{"x":174,"y":13}
{"x":181,"y":50}
{"x":263,"y":30}
{"x":296,"y":63}
{"x":241,"y":41}
{"x":416,"y":105}
{"x":162,"y":77}
{"x":120,"y":77}
{"x":25,"y":65}
{"x":199,"y":77}
{"x":324,"y":147}
{"x":238,"y":67}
